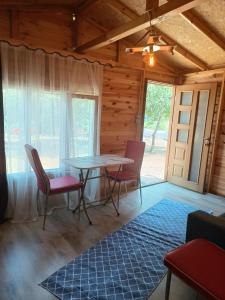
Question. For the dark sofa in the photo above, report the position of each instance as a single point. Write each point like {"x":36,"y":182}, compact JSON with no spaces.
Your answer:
{"x":203,"y":225}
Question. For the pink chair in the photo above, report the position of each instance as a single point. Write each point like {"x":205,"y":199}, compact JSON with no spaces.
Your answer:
{"x":134,"y":150}
{"x":48,"y":187}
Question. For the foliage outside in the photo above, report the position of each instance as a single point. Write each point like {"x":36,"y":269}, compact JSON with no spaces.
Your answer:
{"x":157,"y":110}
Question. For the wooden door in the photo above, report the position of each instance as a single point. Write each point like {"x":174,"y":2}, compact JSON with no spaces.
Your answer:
{"x":190,"y":135}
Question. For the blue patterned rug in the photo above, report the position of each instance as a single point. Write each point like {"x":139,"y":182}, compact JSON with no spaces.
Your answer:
{"x":127,"y":264}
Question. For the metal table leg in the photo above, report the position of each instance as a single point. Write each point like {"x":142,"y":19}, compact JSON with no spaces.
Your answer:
{"x":84,"y":180}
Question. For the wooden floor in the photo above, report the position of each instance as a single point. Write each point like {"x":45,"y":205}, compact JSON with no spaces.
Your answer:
{"x":28,"y":255}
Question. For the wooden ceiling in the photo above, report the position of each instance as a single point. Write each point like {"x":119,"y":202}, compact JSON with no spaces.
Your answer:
{"x":199,"y":33}
{"x":196,"y":27}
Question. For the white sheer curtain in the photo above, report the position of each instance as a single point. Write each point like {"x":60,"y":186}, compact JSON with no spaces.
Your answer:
{"x":52,"y":103}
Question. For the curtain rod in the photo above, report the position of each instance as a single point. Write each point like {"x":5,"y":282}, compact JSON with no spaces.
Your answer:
{"x":53,"y":51}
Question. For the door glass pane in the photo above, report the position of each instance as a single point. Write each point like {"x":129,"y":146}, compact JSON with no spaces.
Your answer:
{"x":184,"y":117}
{"x":186,"y":98}
{"x":182,"y":135}
{"x":203,"y":98}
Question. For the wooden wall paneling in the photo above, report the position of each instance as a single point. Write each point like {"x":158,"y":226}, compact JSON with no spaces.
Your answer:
{"x":74,"y":25}
{"x":14,"y":16}
{"x":203,"y":76}
{"x":141,"y":107}
{"x":120,"y":107}
{"x":4,"y":24}
{"x":216,"y":177}
{"x":213,"y":145}
{"x":57,"y":31}
{"x":46,"y":29}
{"x":160,"y":77}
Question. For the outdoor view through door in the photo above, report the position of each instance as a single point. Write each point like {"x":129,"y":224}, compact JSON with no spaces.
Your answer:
{"x":155,"y":132}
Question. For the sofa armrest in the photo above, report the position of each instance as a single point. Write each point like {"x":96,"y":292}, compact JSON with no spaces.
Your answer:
{"x":203,"y":225}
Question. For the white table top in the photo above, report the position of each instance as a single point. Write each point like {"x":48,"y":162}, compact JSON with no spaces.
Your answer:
{"x":98,"y":161}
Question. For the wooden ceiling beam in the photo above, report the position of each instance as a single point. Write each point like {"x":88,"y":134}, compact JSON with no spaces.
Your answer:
{"x":163,"y":12}
{"x":202,"y":26}
{"x":125,"y":10}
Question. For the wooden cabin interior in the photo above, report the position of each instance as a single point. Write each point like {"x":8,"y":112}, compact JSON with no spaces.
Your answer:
{"x":73,"y":87}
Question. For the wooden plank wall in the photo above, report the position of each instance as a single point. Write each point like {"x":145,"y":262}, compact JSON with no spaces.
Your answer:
{"x":212,"y":138}
{"x":218,"y":178}
{"x":120,"y":108}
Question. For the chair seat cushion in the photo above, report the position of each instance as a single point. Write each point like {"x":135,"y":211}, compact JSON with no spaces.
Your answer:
{"x":64,"y":184}
{"x":201,"y":264}
{"x":122,"y":176}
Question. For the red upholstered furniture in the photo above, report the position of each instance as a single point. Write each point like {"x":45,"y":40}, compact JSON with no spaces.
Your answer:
{"x":134,"y":150}
{"x":201,"y":264}
{"x":47,"y":186}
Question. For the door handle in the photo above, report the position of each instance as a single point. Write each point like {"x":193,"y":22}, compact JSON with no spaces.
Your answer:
{"x":206,"y":141}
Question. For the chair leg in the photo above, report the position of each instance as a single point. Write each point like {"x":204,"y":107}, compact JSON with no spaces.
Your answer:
{"x":79,"y":197}
{"x":37,"y":201}
{"x":118,"y":195}
{"x":110,"y":192}
{"x":105,"y":185}
{"x":125,"y":186}
{"x":68,"y":200}
{"x":140,"y":189}
{"x":168,"y":281}
{"x":45,"y":212}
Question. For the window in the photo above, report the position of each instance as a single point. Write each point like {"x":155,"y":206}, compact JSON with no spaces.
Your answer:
{"x":58,"y":125}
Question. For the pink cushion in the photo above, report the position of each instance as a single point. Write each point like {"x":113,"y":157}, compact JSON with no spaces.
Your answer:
{"x":123,"y":175}
{"x":64,"y":184}
{"x":201,"y":264}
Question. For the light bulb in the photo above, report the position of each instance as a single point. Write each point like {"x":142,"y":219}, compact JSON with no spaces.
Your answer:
{"x":149,"y":59}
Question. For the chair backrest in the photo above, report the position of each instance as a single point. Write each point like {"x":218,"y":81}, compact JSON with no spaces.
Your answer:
{"x":134,"y":150}
{"x":42,"y":178}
